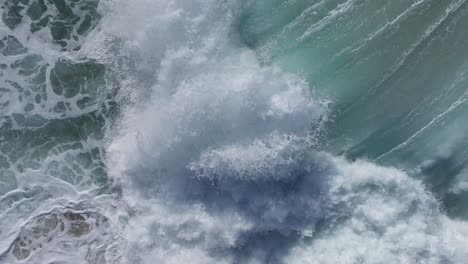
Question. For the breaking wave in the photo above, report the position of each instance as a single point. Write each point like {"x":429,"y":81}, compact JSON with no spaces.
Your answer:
{"x":152,"y":131}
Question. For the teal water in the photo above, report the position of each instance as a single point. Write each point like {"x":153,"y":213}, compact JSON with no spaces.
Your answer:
{"x":395,"y":70}
{"x":237,"y":131}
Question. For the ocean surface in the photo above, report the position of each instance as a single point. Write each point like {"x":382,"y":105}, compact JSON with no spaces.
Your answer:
{"x":233,"y":131}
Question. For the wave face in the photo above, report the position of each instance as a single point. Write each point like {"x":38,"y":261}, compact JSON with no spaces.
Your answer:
{"x":396,"y":71}
{"x":207,"y":131}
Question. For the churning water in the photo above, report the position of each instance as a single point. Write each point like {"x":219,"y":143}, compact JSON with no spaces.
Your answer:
{"x":233,"y":131}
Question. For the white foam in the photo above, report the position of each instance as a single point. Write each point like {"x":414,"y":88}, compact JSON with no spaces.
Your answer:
{"x":215,"y":156}
{"x":46,"y":170}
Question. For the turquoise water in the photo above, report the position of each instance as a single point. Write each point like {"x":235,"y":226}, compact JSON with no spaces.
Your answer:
{"x":203,"y":131}
{"x":395,"y":70}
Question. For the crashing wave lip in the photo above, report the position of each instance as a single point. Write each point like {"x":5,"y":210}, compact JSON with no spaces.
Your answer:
{"x":219,"y":162}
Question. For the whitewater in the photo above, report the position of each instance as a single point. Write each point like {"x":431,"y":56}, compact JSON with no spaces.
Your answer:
{"x":233,"y":131}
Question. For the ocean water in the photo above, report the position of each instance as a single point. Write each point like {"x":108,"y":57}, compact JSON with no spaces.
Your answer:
{"x":233,"y":131}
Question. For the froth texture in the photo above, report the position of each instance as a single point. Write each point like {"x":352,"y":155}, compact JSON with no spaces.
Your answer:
{"x":221,"y":162}
{"x":205,"y":131}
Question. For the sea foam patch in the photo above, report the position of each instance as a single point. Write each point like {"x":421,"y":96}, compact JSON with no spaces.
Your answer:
{"x":220,"y":162}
